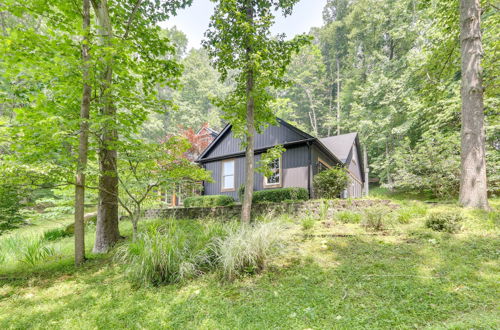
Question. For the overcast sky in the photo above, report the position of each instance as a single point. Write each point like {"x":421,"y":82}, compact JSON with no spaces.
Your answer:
{"x":193,"y":21}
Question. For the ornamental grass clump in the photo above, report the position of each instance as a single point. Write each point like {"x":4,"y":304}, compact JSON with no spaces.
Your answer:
{"x":348,"y":217}
{"x":377,"y":218}
{"x":56,"y":234}
{"x":36,"y":251}
{"x":170,"y":253}
{"x":445,"y":220}
{"x":247,"y":250}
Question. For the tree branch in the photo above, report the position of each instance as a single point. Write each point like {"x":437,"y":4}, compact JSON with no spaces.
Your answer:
{"x":131,"y":18}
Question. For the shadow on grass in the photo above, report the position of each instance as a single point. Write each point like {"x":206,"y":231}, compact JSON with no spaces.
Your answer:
{"x":368,"y":283}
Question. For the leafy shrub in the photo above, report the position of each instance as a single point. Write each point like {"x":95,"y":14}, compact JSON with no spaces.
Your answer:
{"x":241,"y":192}
{"x":330,"y":183}
{"x":208,"y":201}
{"x":170,"y":253}
{"x":280,"y":195}
{"x":377,"y":218}
{"x":10,"y":205}
{"x":431,"y":166}
{"x":348,"y":217}
{"x":447,"y":221}
{"x":55,"y":234}
{"x":308,"y":223}
{"x":246,"y":250}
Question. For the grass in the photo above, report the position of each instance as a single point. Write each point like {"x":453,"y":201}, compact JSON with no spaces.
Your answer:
{"x":406,"y":277}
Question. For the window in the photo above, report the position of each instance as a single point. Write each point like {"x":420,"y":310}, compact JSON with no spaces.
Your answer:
{"x":275,"y":179}
{"x":228,"y":175}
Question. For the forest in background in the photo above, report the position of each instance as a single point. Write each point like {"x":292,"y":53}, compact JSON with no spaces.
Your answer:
{"x":388,"y":69}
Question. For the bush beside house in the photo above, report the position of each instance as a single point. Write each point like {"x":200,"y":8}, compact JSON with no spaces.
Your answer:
{"x":280,"y":195}
{"x":208,"y":201}
{"x":330,"y":183}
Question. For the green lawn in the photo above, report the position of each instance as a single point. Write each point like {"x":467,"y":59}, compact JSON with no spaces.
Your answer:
{"x":334,"y":275}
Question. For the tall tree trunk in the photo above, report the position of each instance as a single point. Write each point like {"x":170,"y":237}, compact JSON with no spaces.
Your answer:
{"x":83,"y":142}
{"x":246,"y":208}
{"x":388,"y":166}
{"x":473,"y":184}
{"x":107,"y":232}
{"x":367,"y":169}
{"x":312,"y":114}
{"x":338,"y":95}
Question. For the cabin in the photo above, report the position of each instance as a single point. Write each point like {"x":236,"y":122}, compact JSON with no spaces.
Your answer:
{"x":305,"y":156}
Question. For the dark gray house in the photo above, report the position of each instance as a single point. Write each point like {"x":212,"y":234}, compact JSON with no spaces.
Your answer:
{"x":305,"y":156}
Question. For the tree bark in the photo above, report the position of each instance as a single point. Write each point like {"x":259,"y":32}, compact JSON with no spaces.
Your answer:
{"x":246,"y":208}
{"x":473,"y":184}
{"x":338,"y":95}
{"x":107,"y":232}
{"x":312,"y":113}
{"x":83,"y":142}
{"x":388,"y":166}
{"x":367,"y":169}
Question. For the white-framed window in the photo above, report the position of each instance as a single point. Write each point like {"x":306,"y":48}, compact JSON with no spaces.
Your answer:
{"x":228,"y":170}
{"x":275,"y":179}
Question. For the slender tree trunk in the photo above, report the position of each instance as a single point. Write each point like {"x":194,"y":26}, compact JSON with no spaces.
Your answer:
{"x":246,"y":208}
{"x":107,"y":232}
{"x":388,"y":166}
{"x":473,"y":183}
{"x":83,"y":142}
{"x":312,"y":113}
{"x":338,"y":95}
{"x":135,"y":220}
{"x":367,"y":169}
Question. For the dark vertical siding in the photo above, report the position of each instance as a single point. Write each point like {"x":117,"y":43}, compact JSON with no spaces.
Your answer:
{"x":214,"y":188}
{"x":316,"y":154}
{"x":273,"y":135}
{"x":293,"y":158}
{"x":355,"y":167}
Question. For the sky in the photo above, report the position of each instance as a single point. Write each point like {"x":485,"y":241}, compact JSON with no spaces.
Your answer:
{"x":193,"y":21}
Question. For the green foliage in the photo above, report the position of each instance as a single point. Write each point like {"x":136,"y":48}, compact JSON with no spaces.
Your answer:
{"x":36,"y":251}
{"x":241,"y":192}
{"x":377,"y":218}
{"x":239,"y":42}
{"x":449,"y":221}
{"x":246,"y":250}
{"x":348,"y":217}
{"x":56,"y":234}
{"x":408,"y":213}
{"x":169,"y":253}
{"x":10,"y":205}
{"x":280,"y":195}
{"x":266,"y":159}
{"x":308,"y":223}
{"x":147,"y":166}
{"x":208,"y":201}
{"x":431,"y":167}
{"x":330,"y":183}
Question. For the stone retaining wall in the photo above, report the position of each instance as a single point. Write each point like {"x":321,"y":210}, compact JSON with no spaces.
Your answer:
{"x":326,"y":208}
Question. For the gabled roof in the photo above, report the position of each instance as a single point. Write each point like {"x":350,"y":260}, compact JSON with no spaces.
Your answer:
{"x":340,"y":145}
{"x":280,"y":122}
{"x":210,"y":131}
{"x":214,"y":141}
{"x":326,"y":145}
